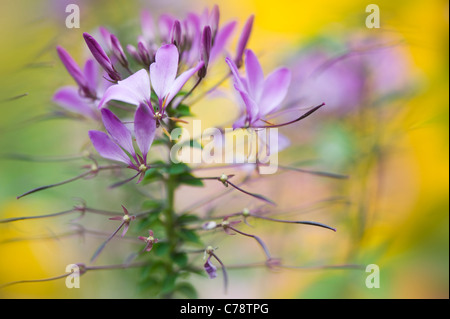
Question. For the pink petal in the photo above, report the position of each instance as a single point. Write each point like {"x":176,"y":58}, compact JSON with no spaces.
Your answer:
{"x":107,"y":148}
{"x":255,"y":75}
{"x":181,"y":81}
{"x":243,"y":40}
{"x":125,"y":228}
{"x":275,"y":89}
{"x":69,"y":98}
{"x":133,"y":90}
{"x":164,"y":70}
{"x":144,"y":128}
{"x":221,"y":40}
{"x":250,"y":105}
{"x":147,"y":25}
{"x":91,"y":74}
{"x":149,"y":246}
{"x":71,"y":66}
{"x":118,"y":131}
{"x":210,"y":269}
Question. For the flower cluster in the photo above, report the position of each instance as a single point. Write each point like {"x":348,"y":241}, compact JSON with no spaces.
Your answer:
{"x":138,"y":93}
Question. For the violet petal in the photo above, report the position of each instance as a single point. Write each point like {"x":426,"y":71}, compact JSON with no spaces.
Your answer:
{"x":164,"y":70}
{"x":133,"y":90}
{"x":107,"y":148}
{"x":275,"y":89}
{"x":69,"y":98}
{"x":118,"y":131}
{"x":144,"y":128}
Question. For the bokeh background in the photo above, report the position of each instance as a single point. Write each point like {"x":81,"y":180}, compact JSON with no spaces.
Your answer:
{"x":392,"y":140}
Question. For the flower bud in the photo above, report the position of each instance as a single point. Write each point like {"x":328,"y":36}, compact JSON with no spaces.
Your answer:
{"x":101,"y":57}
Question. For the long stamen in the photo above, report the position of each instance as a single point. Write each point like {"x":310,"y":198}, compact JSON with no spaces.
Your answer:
{"x":259,"y":240}
{"x":102,"y":246}
{"x":295,"y":222}
{"x":293,"y":121}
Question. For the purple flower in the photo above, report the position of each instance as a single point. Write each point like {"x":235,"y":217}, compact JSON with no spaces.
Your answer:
{"x":150,"y":240}
{"x":85,"y":79}
{"x":147,"y":26}
{"x":210,"y":269}
{"x":126,"y":219}
{"x":261,"y":96}
{"x":163,"y":75}
{"x":118,"y":146}
{"x":101,"y":57}
{"x":321,"y":77}
{"x":82,"y":99}
{"x":243,"y":40}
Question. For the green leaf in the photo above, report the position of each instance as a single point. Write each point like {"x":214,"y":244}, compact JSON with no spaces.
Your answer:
{"x":190,"y":180}
{"x":178,"y":168}
{"x":182,"y":110}
{"x":152,"y":205}
{"x":187,"y":290}
{"x":181,"y":259}
{"x":187,"y":218}
{"x":190,"y":236}
{"x":168,"y":284}
{"x":152,"y":175}
{"x":161,"y":249}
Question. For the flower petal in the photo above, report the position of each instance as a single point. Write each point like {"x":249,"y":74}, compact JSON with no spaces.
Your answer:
{"x":91,"y":74}
{"x":69,"y":98}
{"x":134,"y":90}
{"x":118,"y":131}
{"x":250,"y":105}
{"x":144,"y":128}
{"x":275,"y":89}
{"x":237,"y":78}
{"x":243,"y":39}
{"x":125,"y":229}
{"x":181,"y":81}
{"x":210,"y":269}
{"x":255,"y":75}
{"x":221,"y":40}
{"x":71,"y":66}
{"x":147,"y":26}
{"x":149,"y":246}
{"x":164,"y":70}
{"x":107,"y":148}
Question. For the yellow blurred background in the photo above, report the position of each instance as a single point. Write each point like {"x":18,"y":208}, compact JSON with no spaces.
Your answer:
{"x":404,"y":229}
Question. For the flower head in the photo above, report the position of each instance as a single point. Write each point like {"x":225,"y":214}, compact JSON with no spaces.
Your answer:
{"x":126,"y":219}
{"x":117,"y":145}
{"x":81,"y":99}
{"x":163,"y":76}
{"x":150,"y":240}
{"x":261,"y":96}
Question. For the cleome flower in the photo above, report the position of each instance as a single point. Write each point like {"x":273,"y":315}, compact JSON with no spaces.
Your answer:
{"x":118,"y":146}
{"x":150,"y":240}
{"x":163,"y":77}
{"x":261,"y":96}
{"x":83,"y":98}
